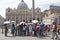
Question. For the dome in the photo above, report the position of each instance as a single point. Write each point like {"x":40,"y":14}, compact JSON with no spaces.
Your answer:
{"x":22,"y":5}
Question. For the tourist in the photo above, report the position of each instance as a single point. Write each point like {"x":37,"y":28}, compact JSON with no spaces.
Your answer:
{"x":6,"y":29}
{"x":41,"y":28}
{"x":49,"y":26}
{"x":34,"y":28}
{"x":19,"y":30}
{"x":27,"y":29}
{"x":30,"y":30}
{"x":55,"y":30}
{"x":24,"y":29}
{"x":38,"y":31}
{"x":13,"y":29}
{"x":46,"y":29}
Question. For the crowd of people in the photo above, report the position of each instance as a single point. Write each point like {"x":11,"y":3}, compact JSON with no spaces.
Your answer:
{"x":35,"y":29}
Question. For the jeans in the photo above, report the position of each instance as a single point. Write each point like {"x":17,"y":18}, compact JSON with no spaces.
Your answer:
{"x":24,"y":32}
{"x":34,"y":32}
{"x":37,"y":34}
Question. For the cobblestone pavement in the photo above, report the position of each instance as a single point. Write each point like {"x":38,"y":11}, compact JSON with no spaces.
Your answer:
{"x":2,"y":37}
{"x":10,"y":37}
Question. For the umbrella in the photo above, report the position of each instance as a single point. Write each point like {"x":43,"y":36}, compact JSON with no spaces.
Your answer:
{"x":6,"y":22}
{"x":17,"y":24}
{"x":22,"y":22}
{"x":12,"y":21}
{"x":34,"y":21}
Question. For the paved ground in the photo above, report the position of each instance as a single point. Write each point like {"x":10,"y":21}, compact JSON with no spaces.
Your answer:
{"x":10,"y":37}
{"x":2,"y":37}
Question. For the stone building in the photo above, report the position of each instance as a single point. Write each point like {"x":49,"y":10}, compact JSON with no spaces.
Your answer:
{"x":52,"y":15}
{"x":22,"y":13}
{"x":1,"y":20}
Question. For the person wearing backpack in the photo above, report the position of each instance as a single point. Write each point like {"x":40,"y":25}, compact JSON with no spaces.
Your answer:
{"x":24,"y":29}
{"x":13,"y":30}
{"x":41,"y":28}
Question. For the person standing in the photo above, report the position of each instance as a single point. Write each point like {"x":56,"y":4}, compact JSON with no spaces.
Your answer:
{"x":55,"y":30}
{"x":41,"y":28}
{"x":35,"y":28}
{"x":27,"y":30}
{"x":38,"y":32}
{"x":6,"y":29}
{"x":19,"y":30}
{"x":46,"y":29}
{"x":13,"y":29}
{"x":24,"y":29}
{"x":30,"y":30}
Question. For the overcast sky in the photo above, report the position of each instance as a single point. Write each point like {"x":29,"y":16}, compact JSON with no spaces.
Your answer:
{"x":43,"y":4}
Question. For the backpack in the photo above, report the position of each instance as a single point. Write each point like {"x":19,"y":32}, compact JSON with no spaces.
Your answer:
{"x":24,"y":27}
{"x":46,"y":27}
{"x":42,"y":26}
{"x":55,"y":27}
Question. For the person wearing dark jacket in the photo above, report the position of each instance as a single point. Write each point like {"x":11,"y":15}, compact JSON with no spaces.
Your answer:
{"x":24,"y":29}
{"x":20,"y":29}
{"x":6,"y":29}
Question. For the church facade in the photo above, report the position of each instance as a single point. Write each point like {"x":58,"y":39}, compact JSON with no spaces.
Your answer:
{"x":22,"y":13}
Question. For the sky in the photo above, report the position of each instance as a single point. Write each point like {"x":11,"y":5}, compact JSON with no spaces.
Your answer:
{"x":43,"y":4}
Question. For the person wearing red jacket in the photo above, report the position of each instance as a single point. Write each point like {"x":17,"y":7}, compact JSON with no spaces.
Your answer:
{"x":46,"y":29}
{"x":55,"y":30}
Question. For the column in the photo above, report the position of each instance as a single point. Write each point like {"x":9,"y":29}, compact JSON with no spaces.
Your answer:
{"x":11,"y":18}
{"x":33,"y":9}
{"x":59,"y":20}
{"x":26,"y":15}
{"x":25,"y":18}
{"x":19,"y":18}
{"x":22,"y":17}
{"x":15,"y":18}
